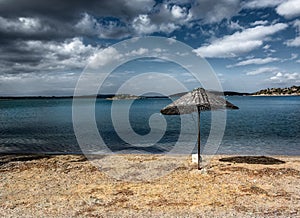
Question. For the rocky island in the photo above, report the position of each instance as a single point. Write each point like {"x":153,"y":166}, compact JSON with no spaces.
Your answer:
{"x":293,"y":90}
{"x":124,"y":97}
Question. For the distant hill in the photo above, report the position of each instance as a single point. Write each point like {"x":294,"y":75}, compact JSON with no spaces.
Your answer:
{"x":293,"y":90}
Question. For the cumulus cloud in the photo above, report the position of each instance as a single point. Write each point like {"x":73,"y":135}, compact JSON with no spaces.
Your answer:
{"x":140,"y":51}
{"x":103,"y":57}
{"x":70,"y":53}
{"x":267,"y":48}
{"x":289,"y":8}
{"x":296,"y":41}
{"x":293,"y":42}
{"x":259,"y":22}
{"x":108,"y":29}
{"x":282,"y":78}
{"x":142,"y":24}
{"x":256,"y":61}
{"x":43,"y":67}
{"x":35,"y":56}
{"x":262,"y":70}
{"x":165,"y":19}
{"x":239,"y":42}
{"x":178,"y":12}
{"x":212,"y":11}
{"x":294,"y":56}
{"x":235,"y":25}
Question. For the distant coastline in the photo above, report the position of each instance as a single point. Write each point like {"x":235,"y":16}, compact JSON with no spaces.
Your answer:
{"x":290,"y":91}
{"x":124,"y":97}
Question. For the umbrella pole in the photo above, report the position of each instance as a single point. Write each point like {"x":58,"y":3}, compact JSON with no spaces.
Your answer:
{"x":199,"y":155}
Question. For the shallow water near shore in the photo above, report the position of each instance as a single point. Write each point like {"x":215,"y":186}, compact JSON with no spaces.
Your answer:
{"x":262,"y":126}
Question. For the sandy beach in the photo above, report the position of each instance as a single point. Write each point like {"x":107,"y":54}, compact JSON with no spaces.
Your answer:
{"x":71,"y":186}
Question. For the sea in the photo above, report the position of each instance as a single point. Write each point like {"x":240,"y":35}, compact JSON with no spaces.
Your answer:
{"x":263,"y":125}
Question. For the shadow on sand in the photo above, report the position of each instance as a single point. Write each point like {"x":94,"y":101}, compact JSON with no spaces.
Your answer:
{"x":7,"y":158}
{"x":252,"y":160}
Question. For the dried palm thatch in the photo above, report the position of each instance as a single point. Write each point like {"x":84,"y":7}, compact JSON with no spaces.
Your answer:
{"x":196,"y":101}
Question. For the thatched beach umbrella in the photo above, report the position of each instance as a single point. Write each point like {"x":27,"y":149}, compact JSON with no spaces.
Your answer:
{"x":196,"y":101}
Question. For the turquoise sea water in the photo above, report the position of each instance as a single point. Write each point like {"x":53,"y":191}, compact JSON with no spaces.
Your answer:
{"x":262,"y":126}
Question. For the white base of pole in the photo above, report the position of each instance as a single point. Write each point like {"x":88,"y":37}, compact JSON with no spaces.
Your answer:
{"x":194,"y":158}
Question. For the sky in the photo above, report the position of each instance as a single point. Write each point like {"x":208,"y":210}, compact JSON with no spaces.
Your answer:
{"x":45,"y":45}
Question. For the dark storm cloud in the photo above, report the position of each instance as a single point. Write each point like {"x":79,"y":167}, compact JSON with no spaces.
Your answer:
{"x":70,"y":10}
{"x":14,"y":53}
{"x":57,"y":19}
{"x":40,"y":36}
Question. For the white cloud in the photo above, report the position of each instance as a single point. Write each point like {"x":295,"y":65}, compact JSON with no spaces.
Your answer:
{"x":256,"y":61}
{"x":165,"y":18}
{"x":294,"y":56}
{"x":178,"y":12}
{"x":289,"y":8}
{"x":235,"y":26}
{"x":55,"y":72}
{"x":298,"y":61}
{"x":293,"y":42}
{"x":278,"y":75}
{"x":286,"y":77}
{"x":239,"y":42}
{"x":140,"y":51}
{"x":252,"y":4}
{"x":167,"y":27}
{"x":88,"y":25}
{"x":67,"y":48}
{"x":297,"y":24}
{"x":103,"y":57}
{"x":55,"y":56}
{"x":142,"y":24}
{"x":296,"y":41}
{"x":213,"y":11}
{"x":262,"y":70}
{"x":259,"y":22}
{"x":23,"y":84}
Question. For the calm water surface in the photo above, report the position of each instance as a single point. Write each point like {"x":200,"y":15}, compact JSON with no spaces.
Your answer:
{"x":263,"y":125}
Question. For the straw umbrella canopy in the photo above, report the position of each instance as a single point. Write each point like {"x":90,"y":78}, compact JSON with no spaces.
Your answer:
{"x":196,"y":101}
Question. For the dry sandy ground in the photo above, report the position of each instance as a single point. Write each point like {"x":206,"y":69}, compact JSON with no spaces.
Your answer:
{"x":70,"y":186}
